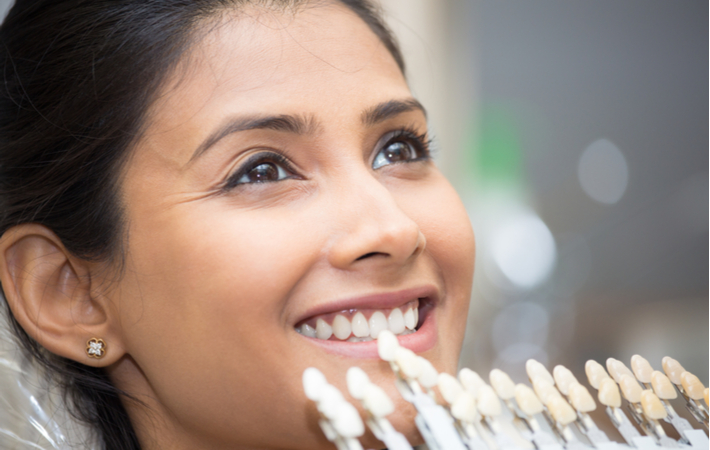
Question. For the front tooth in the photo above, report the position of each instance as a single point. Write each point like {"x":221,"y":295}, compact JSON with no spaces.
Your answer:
{"x":692,"y":385}
{"x":630,"y":388}
{"x":409,"y":319}
{"x":308,"y":330}
{"x":662,"y":386}
{"x":652,"y":406}
{"x":396,"y":321}
{"x":416,"y":316}
{"x":360,"y":327}
{"x":609,"y":393}
{"x":323,"y":330}
{"x":527,"y":400}
{"x":378,"y":322}
{"x":580,"y":398}
{"x":341,"y":327}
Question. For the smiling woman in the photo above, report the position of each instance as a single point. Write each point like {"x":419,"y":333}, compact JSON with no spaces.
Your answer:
{"x":201,"y":199}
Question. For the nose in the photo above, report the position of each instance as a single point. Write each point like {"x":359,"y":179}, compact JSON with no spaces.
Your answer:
{"x":371,"y":226}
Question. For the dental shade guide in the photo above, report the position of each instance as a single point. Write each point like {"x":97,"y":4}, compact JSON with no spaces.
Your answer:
{"x":674,"y":371}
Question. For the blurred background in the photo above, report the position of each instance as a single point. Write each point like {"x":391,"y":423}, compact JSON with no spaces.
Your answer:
{"x":577,"y":135}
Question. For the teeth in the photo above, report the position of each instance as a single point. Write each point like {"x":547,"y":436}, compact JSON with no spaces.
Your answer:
{"x":360,"y":326}
{"x":595,"y":373}
{"x":527,"y":400}
{"x":652,"y":406}
{"x":630,"y":388}
{"x":487,"y":402}
{"x":609,"y":393}
{"x":409,"y":319}
{"x":536,"y":369}
{"x":341,"y":327}
{"x":561,"y":411}
{"x":449,"y":387}
{"x":464,"y":408}
{"x":323,"y":330}
{"x":563,"y":378}
{"x":544,"y":390}
{"x":396,"y":321}
{"x":471,"y":381}
{"x":663,"y":386}
{"x":580,"y":398}
{"x":378,"y":322}
{"x":360,"y":339}
{"x":692,"y":385}
{"x":642,"y":368}
{"x":673,"y":369}
{"x":617,"y":369}
{"x":502,"y":384}
{"x":308,"y":330}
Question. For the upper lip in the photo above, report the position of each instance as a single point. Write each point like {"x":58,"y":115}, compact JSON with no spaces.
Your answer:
{"x":384,"y":300}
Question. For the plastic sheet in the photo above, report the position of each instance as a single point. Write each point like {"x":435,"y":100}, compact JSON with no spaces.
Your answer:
{"x":32,"y":413}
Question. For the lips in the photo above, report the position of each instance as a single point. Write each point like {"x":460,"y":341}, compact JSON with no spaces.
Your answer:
{"x":349,"y":326}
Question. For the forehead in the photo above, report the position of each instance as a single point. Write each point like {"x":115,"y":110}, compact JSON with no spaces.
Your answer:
{"x":316,"y":60}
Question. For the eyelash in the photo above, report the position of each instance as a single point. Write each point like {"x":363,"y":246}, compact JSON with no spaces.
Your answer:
{"x":419,"y":142}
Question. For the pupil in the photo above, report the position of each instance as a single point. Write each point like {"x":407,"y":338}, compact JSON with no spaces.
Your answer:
{"x":397,"y":152}
{"x":263,"y":172}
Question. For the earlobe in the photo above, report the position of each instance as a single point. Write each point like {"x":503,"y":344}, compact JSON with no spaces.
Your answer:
{"x":49,"y":293}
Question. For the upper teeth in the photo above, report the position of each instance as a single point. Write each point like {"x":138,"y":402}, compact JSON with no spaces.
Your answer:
{"x":358,"y":328}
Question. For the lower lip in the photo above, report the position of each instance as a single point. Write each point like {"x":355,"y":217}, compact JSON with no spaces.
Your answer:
{"x":421,"y":341}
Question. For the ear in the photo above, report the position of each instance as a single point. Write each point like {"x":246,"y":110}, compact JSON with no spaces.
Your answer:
{"x":49,"y":292}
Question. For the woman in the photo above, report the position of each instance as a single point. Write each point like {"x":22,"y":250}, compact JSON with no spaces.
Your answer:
{"x":200,"y":199}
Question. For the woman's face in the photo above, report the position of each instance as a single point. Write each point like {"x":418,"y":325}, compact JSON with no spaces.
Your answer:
{"x":283,"y":180}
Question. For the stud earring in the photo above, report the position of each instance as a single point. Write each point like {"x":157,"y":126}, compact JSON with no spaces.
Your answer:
{"x":95,"y":348}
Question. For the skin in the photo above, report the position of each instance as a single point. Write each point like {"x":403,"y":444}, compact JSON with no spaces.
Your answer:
{"x":201,"y":325}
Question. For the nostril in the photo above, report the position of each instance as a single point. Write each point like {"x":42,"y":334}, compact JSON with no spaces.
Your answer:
{"x":368,"y":255}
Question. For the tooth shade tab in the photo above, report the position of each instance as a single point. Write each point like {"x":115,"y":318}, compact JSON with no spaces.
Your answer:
{"x":330,"y":400}
{"x":641,"y":368}
{"x":376,"y":401}
{"x":595,"y":373}
{"x":313,"y":383}
{"x":378,"y":322}
{"x":464,"y":408}
{"x":561,"y":411}
{"x":536,"y":369}
{"x":488,"y":402}
{"x":471,"y":381}
{"x":323,"y":330}
{"x":408,"y":362}
{"x":387,"y":345}
{"x":449,"y":387}
{"x":347,"y":421}
{"x":705,"y":394}
{"x":662,"y":386}
{"x":357,"y":380}
{"x":502,"y":384}
{"x":428,"y":377}
{"x":609,"y":393}
{"x":630,"y":388}
{"x":673,"y":369}
{"x":527,"y":400}
{"x":652,"y":406}
{"x":545,"y":391}
{"x":692,"y":385}
{"x":617,"y":369}
{"x":563,"y":378}
{"x":580,"y":398}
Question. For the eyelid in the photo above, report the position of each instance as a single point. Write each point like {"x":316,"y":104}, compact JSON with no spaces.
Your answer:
{"x":252,"y":162}
{"x":419,"y":140}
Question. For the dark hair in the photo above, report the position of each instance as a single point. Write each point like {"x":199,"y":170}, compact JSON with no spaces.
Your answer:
{"x":78,"y":77}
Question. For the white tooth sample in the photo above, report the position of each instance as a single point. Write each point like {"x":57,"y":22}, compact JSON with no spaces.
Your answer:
{"x":357,"y":379}
{"x":313,"y":382}
{"x":387,"y":345}
{"x":662,"y":386}
{"x":428,"y":376}
{"x":471,"y":381}
{"x":580,"y":398}
{"x":630,"y":388}
{"x":376,"y":401}
{"x":323,"y":330}
{"x":652,"y":406}
{"x":341,"y":327}
{"x":502,"y":384}
{"x":359,"y":325}
{"x":396,"y":321}
{"x":536,"y":369}
{"x":692,"y":385}
{"x":464,"y":408}
{"x":408,"y":362}
{"x":527,"y":400}
{"x":330,"y":399}
{"x":487,"y":402}
{"x":641,"y":368}
{"x":378,"y":322}
{"x":673,"y":369}
{"x":595,"y":373}
{"x":561,"y":411}
{"x":308,"y":330}
{"x":449,"y":387}
{"x":409,"y":319}
{"x":545,"y":391}
{"x":563,"y":378}
{"x":616,"y":369}
{"x":609,"y":393}
{"x":347,"y":421}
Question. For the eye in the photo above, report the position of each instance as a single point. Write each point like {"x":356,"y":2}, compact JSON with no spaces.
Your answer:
{"x":401,"y":147}
{"x":261,"y":168}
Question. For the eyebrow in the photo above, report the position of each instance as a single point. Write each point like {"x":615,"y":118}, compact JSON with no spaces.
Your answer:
{"x":303,"y":124}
